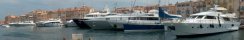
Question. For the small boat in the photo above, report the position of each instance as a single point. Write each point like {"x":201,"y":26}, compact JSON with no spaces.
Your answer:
{"x":22,"y":24}
{"x":70,"y":23}
{"x":216,"y":20}
{"x":4,"y":25}
{"x":50,"y":23}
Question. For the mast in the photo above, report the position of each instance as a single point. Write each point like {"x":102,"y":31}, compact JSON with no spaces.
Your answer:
{"x":106,"y":8}
{"x":116,"y":4}
{"x":133,"y":5}
{"x":159,"y":1}
{"x":239,"y":16}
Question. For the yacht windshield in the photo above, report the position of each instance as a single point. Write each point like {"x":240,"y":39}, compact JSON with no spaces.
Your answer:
{"x":199,"y":17}
{"x":192,"y":17}
{"x":91,"y":15}
{"x":210,"y":17}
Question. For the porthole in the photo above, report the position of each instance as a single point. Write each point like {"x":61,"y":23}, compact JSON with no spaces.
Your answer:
{"x":201,"y":26}
{"x":232,"y":25}
{"x":211,"y":26}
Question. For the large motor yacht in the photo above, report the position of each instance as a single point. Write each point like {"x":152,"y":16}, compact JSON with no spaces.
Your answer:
{"x":140,"y":21}
{"x":94,"y":20}
{"x":216,"y":20}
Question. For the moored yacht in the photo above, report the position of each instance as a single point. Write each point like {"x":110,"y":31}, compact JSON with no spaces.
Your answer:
{"x":144,"y":22}
{"x":95,"y":20}
{"x":50,"y":23}
{"x":22,"y":24}
{"x":216,"y":20}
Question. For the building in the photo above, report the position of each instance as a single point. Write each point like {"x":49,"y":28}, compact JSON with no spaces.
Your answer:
{"x":170,"y":8}
{"x":10,"y":19}
{"x":195,"y":6}
{"x":40,"y":15}
{"x":184,"y":8}
{"x":70,"y":13}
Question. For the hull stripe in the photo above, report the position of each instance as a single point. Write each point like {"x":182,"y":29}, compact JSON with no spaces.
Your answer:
{"x":142,"y":27}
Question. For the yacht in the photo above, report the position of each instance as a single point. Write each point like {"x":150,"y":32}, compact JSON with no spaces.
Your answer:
{"x":22,"y":24}
{"x":145,"y":22}
{"x":216,"y":20}
{"x":95,"y":20}
{"x":104,"y":22}
{"x":50,"y":23}
{"x":4,"y":25}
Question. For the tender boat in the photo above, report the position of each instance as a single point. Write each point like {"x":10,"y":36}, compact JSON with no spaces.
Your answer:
{"x":4,"y":25}
{"x":50,"y":23}
{"x":217,"y":20}
{"x":70,"y":23}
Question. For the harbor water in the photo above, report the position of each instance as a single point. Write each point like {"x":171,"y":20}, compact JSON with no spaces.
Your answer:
{"x":73,"y":33}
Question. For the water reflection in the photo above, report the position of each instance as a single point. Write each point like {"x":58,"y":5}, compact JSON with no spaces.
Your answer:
{"x":114,"y":35}
{"x":60,"y":33}
{"x":222,"y":36}
{"x":120,"y":35}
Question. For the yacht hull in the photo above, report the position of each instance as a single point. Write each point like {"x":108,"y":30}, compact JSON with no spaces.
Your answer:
{"x":187,"y":29}
{"x":142,"y":27}
{"x":21,"y":25}
{"x":138,"y":25}
{"x":70,"y":24}
{"x":81,"y":23}
{"x":96,"y":24}
{"x":49,"y":25}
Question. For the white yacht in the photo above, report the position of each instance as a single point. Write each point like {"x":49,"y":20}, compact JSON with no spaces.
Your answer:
{"x":139,"y":21}
{"x":50,"y":23}
{"x":216,"y":20}
{"x":98,"y":20}
{"x":22,"y":24}
{"x":104,"y":22}
{"x":4,"y":25}
{"x":95,"y":20}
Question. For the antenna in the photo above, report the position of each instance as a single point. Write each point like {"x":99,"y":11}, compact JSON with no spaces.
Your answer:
{"x":215,"y":7}
{"x":133,"y":4}
{"x":239,"y":16}
{"x":159,"y":1}
{"x":106,"y":8}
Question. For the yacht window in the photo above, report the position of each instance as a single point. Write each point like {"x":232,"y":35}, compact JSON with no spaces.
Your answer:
{"x":226,"y":19}
{"x":210,"y":17}
{"x":54,"y":22}
{"x":199,"y":17}
{"x":107,"y":18}
{"x":143,"y":18}
{"x":153,"y":18}
{"x":89,"y":15}
{"x":132,"y":18}
{"x":193,"y":16}
{"x":111,"y":14}
{"x":103,"y":15}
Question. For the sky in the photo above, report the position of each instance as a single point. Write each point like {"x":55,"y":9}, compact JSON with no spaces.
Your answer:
{"x":21,"y":7}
